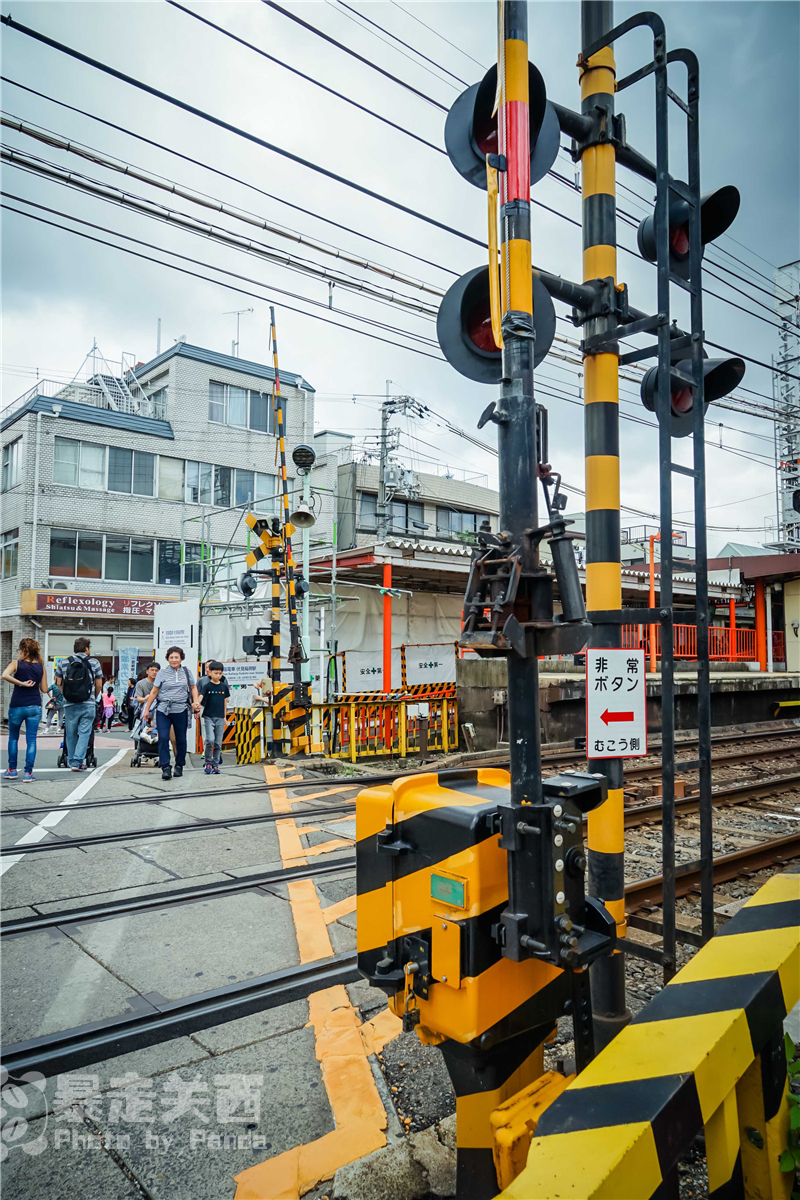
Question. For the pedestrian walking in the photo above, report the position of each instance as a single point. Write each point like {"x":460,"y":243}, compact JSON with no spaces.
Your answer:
{"x":108,"y":707}
{"x":29,"y":678}
{"x":214,"y":693}
{"x":80,"y":679}
{"x":176,"y":691}
{"x":57,"y":704}
{"x":127,"y":708}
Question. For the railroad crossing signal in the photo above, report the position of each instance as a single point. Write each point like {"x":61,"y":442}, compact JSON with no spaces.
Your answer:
{"x":720,"y":376}
{"x":258,"y":643}
{"x":470,"y":131}
{"x":717,"y":213}
{"x":470,"y":316}
{"x":268,"y":530}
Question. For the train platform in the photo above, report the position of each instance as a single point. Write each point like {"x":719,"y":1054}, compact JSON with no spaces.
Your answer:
{"x":130,"y":899}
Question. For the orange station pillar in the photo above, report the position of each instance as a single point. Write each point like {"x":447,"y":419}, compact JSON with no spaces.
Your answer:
{"x":761,"y":625}
{"x":387,"y":629}
{"x":732,"y":630}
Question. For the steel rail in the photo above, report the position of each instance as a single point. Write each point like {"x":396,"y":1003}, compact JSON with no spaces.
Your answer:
{"x":724,"y":797}
{"x":127,"y":835}
{"x":70,"y":1049}
{"x":553,"y":757}
{"x":644,"y":893}
{"x":203,"y":891}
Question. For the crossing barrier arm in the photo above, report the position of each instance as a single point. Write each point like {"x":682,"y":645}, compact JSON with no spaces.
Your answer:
{"x":706,"y":1053}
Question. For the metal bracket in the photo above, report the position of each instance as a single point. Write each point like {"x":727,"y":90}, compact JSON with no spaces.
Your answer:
{"x":418,"y":950}
{"x":389,"y":843}
{"x":609,"y":300}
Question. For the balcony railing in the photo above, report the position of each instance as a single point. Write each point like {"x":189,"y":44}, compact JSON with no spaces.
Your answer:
{"x":95,"y":397}
{"x":722,"y":647}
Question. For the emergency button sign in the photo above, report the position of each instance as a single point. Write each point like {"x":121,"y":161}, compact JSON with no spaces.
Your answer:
{"x":616,"y":724}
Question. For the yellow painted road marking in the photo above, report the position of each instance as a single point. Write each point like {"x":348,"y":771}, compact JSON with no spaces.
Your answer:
{"x":343,"y":1044}
{"x":334,"y":911}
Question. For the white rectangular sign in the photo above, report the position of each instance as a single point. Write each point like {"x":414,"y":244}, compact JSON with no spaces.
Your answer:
{"x":616,"y":721}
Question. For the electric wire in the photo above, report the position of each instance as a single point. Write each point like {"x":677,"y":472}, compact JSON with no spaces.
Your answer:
{"x":235,"y":129}
{"x":205,"y":278}
{"x":223,"y":174}
{"x":375,"y":25}
{"x":302,"y":75}
{"x":436,"y":33}
{"x":353,"y":53}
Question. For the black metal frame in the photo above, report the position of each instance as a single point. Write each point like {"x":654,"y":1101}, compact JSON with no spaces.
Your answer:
{"x":666,"y":343}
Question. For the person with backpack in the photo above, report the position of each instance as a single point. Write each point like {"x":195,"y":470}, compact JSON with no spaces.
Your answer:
{"x":29,"y":678}
{"x":80,"y":680}
{"x":176,"y":692}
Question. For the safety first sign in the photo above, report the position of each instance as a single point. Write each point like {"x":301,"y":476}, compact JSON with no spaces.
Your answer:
{"x":616,"y":723}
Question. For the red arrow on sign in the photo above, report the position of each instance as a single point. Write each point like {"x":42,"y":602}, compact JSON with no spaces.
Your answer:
{"x":608,"y":717}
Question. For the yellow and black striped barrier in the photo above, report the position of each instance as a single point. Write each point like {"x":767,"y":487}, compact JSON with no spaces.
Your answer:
{"x":707,"y":1053}
{"x":249,"y":727}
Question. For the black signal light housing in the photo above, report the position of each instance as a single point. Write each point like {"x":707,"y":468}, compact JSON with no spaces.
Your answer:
{"x":464,"y":326}
{"x":720,"y":376}
{"x":717,"y":213}
{"x":470,"y":131}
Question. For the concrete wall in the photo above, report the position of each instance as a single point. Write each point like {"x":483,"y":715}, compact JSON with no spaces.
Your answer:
{"x":791,"y":611}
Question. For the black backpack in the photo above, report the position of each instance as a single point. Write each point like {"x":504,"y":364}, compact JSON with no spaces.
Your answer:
{"x":77,"y":682}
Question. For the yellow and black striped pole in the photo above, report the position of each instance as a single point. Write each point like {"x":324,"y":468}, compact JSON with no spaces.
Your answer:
{"x":603,"y":571}
{"x":294,"y":714}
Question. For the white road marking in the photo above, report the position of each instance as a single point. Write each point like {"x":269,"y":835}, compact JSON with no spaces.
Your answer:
{"x":40,"y":831}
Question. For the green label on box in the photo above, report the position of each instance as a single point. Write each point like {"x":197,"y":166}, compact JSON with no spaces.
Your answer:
{"x":449,"y":891}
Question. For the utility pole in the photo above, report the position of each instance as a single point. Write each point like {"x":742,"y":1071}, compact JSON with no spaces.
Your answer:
{"x":606,"y":837}
{"x":382,"y":462}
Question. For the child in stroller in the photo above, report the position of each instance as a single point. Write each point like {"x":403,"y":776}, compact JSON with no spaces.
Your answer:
{"x":145,"y":741}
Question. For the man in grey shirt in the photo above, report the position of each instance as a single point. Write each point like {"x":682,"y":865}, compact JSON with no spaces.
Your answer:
{"x":174,"y":687}
{"x":80,"y":680}
{"x":144,"y":685}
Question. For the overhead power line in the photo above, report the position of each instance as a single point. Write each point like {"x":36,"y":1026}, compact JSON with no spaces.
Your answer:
{"x":217,"y":233}
{"x":436,"y":33}
{"x":353,"y":53}
{"x":207,"y":278}
{"x":243,"y":133}
{"x":395,"y":38}
{"x":302,"y":75}
{"x":224,"y":175}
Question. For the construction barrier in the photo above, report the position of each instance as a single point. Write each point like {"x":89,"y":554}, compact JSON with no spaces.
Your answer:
{"x":707,"y":1053}
{"x":369,"y":727}
{"x":249,"y":734}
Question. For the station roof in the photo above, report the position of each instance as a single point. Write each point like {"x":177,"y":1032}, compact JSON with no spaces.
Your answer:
{"x":761,"y":566}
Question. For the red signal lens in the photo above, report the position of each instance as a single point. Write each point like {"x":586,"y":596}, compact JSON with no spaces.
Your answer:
{"x":479,"y":330}
{"x":679,"y":239}
{"x":682,"y":400}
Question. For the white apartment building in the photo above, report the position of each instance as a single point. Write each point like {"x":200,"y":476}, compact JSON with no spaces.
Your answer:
{"x":103,"y":481}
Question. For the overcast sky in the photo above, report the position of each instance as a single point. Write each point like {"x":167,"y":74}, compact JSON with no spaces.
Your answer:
{"x":60,"y":291}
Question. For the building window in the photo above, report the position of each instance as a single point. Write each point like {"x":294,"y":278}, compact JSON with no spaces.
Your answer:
{"x":74,"y":554}
{"x":222,"y":486}
{"x":131,"y":471}
{"x":460,"y":525}
{"x":12,"y":459}
{"x":9,"y":554}
{"x":170,"y":478}
{"x":63,"y":543}
{"x":240,"y":407}
{"x":406,"y":516}
{"x":169,"y":562}
{"x":368,"y":511}
{"x":198,"y":483}
{"x":258,"y":490}
{"x":79,"y":464}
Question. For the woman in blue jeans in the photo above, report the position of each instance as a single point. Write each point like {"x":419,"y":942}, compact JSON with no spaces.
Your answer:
{"x":174,"y":692}
{"x":29,"y":678}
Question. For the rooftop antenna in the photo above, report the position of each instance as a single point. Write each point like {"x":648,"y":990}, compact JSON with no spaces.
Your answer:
{"x":236,"y":312}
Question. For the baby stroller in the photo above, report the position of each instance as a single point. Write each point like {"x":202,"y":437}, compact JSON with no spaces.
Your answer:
{"x":91,"y":758}
{"x":145,"y":744}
